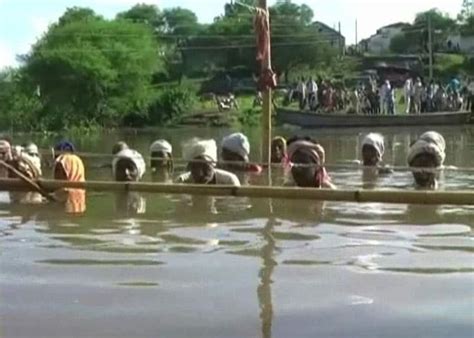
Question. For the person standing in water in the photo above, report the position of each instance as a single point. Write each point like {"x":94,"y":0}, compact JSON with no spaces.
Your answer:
{"x":236,"y":151}
{"x":161,"y":153}
{"x":426,"y":157}
{"x":307,"y":160}
{"x":69,"y":167}
{"x":201,"y":156}
{"x":128,"y":165}
{"x":373,"y":149}
{"x":279,"y":151}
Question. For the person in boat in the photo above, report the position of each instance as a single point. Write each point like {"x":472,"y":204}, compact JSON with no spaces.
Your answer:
{"x":236,"y":151}
{"x":426,"y":156}
{"x":201,"y":156}
{"x":128,"y":165}
{"x":279,"y":150}
{"x":307,"y":158}
{"x":161,"y":153}
{"x":69,"y":167}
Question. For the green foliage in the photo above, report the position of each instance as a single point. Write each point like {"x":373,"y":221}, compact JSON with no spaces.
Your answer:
{"x":448,"y":65}
{"x":91,"y":70}
{"x":250,"y":117}
{"x":144,"y":14}
{"x":171,"y":104}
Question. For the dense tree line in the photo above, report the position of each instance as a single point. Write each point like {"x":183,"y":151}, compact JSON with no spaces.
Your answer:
{"x":87,"y":70}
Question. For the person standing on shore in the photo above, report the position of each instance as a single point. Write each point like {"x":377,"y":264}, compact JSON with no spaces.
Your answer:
{"x":407,"y":92}
{"x":417,"y":95}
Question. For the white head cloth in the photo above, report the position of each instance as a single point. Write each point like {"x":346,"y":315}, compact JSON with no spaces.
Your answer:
{"x":237,"y":143}
{"x":376,"y":141}
{"x":161,"y":145}
{"x":32,"y":149}
{"x":431,"y":143}
{"x":133,"y":155}
{"x":196,"y":148}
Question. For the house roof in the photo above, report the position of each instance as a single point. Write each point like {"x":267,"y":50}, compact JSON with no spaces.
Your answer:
{"x":322,"y":25}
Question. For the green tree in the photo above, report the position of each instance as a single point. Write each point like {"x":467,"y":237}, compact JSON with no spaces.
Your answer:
{"x":145,"y":14}
{"x":467,"y":11}
{"x":93,"y":71}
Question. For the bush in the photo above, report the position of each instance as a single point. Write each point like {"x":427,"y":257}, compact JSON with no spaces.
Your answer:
{"x":171,"y":104}
{"x":250,"y":117}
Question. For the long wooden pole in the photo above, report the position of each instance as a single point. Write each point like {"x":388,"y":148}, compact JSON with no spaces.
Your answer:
{"x":430,"y":45}
{"x":267,"y":99}
{"x":359,"y":196}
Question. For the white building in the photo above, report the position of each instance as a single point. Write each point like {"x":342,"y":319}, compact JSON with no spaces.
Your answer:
{"x":380,"y":42}
{"x":460,"y":43}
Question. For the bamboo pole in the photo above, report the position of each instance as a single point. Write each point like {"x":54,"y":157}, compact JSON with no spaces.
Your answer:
{"x":267,"y":99}
{"x":27,"y":181}
{"x":292,"y":193}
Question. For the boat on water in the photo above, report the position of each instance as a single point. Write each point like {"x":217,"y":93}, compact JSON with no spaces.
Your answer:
{"x":308,"y":119}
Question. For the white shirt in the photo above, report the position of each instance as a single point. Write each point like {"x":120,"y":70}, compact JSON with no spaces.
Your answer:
{"x":312,"y":87}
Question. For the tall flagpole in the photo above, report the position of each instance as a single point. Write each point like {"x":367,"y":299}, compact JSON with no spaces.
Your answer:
{"x":267,"y":98}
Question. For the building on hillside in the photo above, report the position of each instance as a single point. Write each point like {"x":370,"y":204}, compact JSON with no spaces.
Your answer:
{"x":379,"y":43}
{"x":460,"y":43}
{"x":332,"y":36}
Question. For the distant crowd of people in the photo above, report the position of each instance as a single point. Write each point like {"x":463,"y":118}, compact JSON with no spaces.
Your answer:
{"x":371,"y":99}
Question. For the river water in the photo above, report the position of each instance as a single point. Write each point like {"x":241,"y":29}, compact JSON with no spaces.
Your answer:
{"x":177,"y":266}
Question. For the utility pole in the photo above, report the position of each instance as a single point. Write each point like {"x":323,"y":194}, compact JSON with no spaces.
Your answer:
{"x":430,"y":46}
{"x":341,"y":47}
{"x":267,"y":98}
{"x":357,"y":37}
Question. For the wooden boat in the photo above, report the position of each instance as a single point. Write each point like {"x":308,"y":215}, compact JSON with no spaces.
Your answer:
{"x":307,"y":119}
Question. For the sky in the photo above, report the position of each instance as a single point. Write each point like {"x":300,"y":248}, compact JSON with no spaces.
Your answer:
{"x":22,"y":22}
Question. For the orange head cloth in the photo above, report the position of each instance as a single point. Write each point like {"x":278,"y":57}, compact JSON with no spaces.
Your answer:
{"x":72,"y":166}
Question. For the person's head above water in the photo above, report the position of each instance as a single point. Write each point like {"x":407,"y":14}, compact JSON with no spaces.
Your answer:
{"x":426,"y":155}
{"x":279,"y":149}
{"x":308,"y":159}
{"x":373,"y":149}
{"x":5,"y":150}
{"x":235,"y":148}
{"x":128,"y":166}
{"x":201,"y":156}
{"x":161,"y":153}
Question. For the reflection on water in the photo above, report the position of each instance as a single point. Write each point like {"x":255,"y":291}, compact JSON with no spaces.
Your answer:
{"x":145,"y":265}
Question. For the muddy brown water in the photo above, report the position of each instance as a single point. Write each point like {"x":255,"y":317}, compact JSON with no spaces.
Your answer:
{"x":181,"y":266}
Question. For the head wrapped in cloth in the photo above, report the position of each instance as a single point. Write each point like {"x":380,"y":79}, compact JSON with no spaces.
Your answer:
{"x":200,"y":148}
{"x":5,"y":150}
{"x":238,"y":144}
{"x":132,"y":155}
{"x":314,"y":150}
{"x":430,"y":143}
{"x":377,"y":142}
{"x":161,"y":146}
